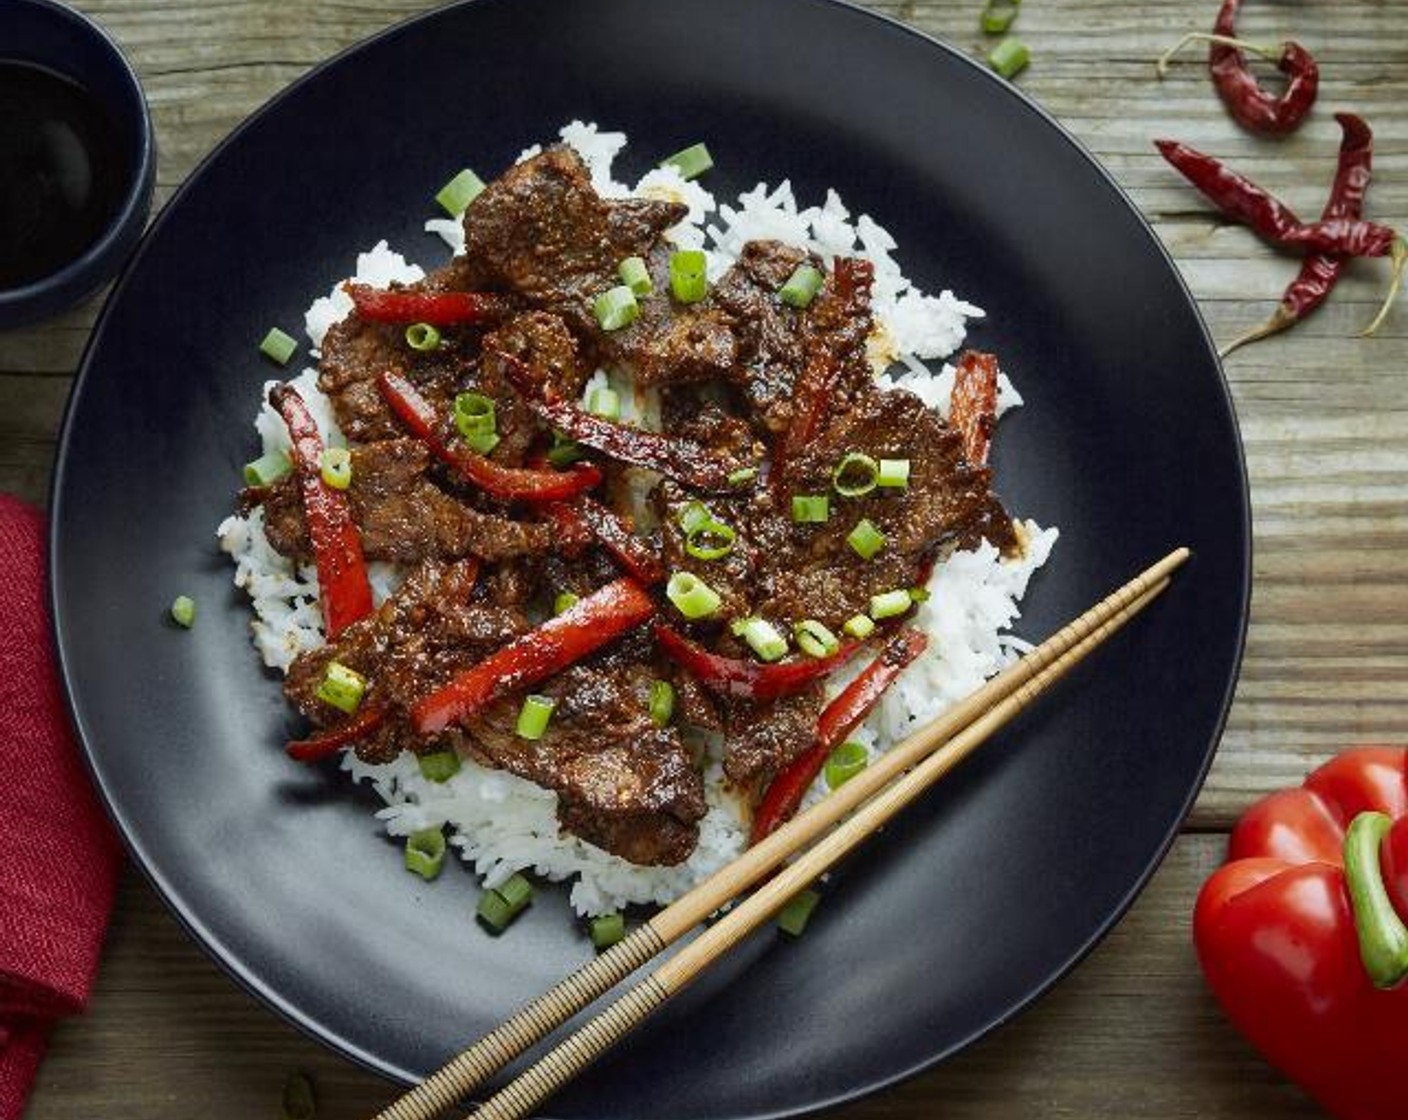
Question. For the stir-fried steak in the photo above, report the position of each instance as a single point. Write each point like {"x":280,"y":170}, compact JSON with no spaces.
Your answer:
{"x":402,"y":514}
{"x":764,"y":738}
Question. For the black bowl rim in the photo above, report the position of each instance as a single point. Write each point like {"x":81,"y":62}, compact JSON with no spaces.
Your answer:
{"x":236,"y":968}
{"x":83,"y":275}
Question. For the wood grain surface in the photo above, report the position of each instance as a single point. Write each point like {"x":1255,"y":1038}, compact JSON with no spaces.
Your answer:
{"x":1324,"y":415}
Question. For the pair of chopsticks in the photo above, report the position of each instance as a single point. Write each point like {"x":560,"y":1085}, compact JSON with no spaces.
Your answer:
{"x":874,"y":796}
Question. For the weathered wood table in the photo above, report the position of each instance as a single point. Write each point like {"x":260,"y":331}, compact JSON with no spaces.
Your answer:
{"x":1132,"y":1032}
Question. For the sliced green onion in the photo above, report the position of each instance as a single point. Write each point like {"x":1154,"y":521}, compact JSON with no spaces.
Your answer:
{"x":635,"y":275}
{"x":267,"y":468}
{"x":763,"y":638}
{"x":855,"y":475}
{"x":456,"y":195}
{"x":866,"y":539}
{"x":859,"y":626}
{"x":687,"y":276}
{"x":694,"y":515}
{"x":342,"y":687}
{"x":477,"y":421}
{"x":607,"y":929}
{"x":692,"y":597}
{"x":844,"y":763}
{"x":278,"y":346}
{"x":604,"y":402}
{"x":919,"y":594}
{"x":893,"y":473}
{"x":498,"y":908}
{"x":298,"y":1101}
{"x":335,"y":467}
{"x":616,"y":308}
{"x":999,"y":15}
{"x":565,"y":601}
{"x":440,"y":766}
{"x":793,"y":917}
{"x":533,"y":717}
{"x":742,"y":476}
{"x":710,"y":541}
{"x":425,"y":852}
{"x":422,"y":336}
{"x":1010,"y":57}
{"x":815,"y":639}
{"x":888,"y":604}
{"x":810,"y":509}
{"x":564,"y":452}
{"x":662,"y":702}
{"x":690,"y":162}
{"x":801,"y":287}
{"x":183,"y":611}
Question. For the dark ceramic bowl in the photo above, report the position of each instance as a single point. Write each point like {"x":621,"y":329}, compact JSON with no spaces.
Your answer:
{"x":49,"y":35}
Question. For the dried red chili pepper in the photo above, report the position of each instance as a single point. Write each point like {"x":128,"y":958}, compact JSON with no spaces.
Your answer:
{"x":343,"y":588}
{"x":839,"y":718}
{"x":973,"y":411}
{"x":439,"y":309}
{"x":729,"y":676}
{"x":1250,"y":105}
{"x":562,"y":640}
{"x":319,"y":746}
{"x":588,"y":518}
{"x":1321,"y":271}
{"x":508,"y":483}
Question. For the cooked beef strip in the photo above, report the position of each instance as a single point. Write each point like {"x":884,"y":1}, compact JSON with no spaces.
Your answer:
{"x":764,"y":738}
{"x":401,"y":513}
{"x":622,"y":783}
{"x":543,"y":341}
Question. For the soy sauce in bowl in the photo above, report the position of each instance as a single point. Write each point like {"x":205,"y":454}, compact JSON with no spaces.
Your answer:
{"x":63,"y":173}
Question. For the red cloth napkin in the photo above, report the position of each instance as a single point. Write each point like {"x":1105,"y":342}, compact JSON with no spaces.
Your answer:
{"x":58,"y":856}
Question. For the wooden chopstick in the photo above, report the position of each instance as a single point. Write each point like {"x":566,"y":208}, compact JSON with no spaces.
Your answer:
{"x":931,"y":752}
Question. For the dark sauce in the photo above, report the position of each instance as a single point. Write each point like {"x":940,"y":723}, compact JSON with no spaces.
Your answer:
{"x":62,"y":172}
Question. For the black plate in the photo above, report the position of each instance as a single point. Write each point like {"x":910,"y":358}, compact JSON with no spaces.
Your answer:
{"x":959,"y":915}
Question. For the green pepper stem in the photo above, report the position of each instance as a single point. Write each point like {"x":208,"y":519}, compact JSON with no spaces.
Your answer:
{"x":1383,"y":938}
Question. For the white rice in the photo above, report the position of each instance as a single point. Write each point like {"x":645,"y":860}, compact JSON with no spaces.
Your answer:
{"x":501,"y":824}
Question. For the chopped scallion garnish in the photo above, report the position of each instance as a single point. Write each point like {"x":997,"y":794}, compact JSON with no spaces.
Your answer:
{"x":688,"y":281}
{"x":762,"y":637}
{"x":692,"y":597}
{"x":439,"y":766}
{"x":335,"y":467}
{"x":855,"y":475}
{"x":691,"y":162}
{"x":533,"y":717}
{"x":278,"y":346}
{"x":844,"y":763}
{"x":183,"y":611}
{"x":425,"y":852}
{"x":616,"y":308}
{"x":604,"y":402}
{"x":999,"y":15}
{"x":607,"y":929}
{"x":498,"y":908}
{"x":477,"y":421}
{"x":267,"y":468}
{"x":893,"y":473}
{"x":423,"y":337}
{"x":456,"y":195}
{"x":1010,"y":57}
{"x":810,"y":509}
{"x":635,"y":275}
{"x":342,"y":687}
{"x":565,"y":601}
{"x":564,"y":452}
{"x":801,"y":287}
{"x":710,"y":540}
{"x":859,"y":626}
{"x":662,"y":702}
{"x":815,"y":639}
{"x":866,"y":539}
{"x":919,"y":594}
{"x":796,"y":912}
{"x":889,"y":604}
{"x":694,"y":515}
{"x":742,"y":476}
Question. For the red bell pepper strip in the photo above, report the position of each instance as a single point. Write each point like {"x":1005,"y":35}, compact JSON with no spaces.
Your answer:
{"x":587,"y":517}
{"x":343,"y":587}
{"x":584,"y":627}
{"x":439,"y":309}
{"x":1301,"y":933}
{"x":508,"y":483}
{"x":750,"y":680}
{"x":973,"y":412}
{"x":317,"y":747}
{"x":839,"y":718}
{"x":680,"y":459}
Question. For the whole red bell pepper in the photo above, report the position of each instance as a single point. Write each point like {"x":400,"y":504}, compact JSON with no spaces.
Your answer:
{"x":1302,"y":938}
